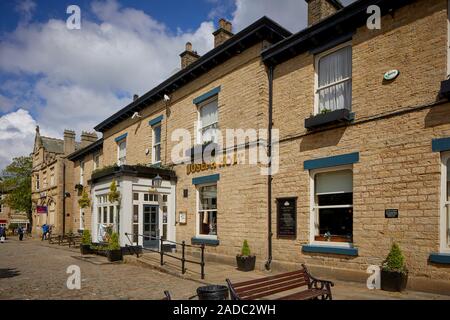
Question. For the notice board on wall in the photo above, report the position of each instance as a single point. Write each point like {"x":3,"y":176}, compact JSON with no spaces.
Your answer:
{"x":287,"y":218}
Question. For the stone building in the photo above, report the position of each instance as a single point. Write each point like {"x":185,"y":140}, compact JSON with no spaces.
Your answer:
{"x":10,"y":216}
{"x":364,"y":127}
{"x":364,"y":139}
{"x":53,"y":186}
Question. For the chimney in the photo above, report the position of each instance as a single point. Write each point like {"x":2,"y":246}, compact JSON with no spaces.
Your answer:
{"x":321,"y":9}
{"x":188,"y":56}
{"x":135,"y":97}
{"x":87,"y":138}
{"x":223,"y":33}
{"x":69,"y":141}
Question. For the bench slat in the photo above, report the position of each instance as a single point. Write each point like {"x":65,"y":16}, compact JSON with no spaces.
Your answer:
{"x":269,"y":293}
{"x":290,"y":284}
{"x":304,"y":295}
{"x":271,"y":282}
{"x":278,"y":276}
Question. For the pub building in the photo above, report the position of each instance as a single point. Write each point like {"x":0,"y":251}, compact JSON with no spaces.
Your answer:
{"x":363,"y":151}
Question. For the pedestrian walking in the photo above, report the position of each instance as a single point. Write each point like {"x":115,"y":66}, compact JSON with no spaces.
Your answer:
{"x":20,"y":232}
{"x":44,"y":231}
{"x":2,"y":238}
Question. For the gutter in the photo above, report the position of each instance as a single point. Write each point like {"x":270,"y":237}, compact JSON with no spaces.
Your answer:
{"x":269,"y":177}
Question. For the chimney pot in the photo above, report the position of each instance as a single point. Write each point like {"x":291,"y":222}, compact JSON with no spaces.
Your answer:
{"x":87,"y":138}
{"x":321,"y":9}
{"x":223,"y":33}
{"x":69,"y":141}
{"x":135,"y":97}
{"x":188,"y":56}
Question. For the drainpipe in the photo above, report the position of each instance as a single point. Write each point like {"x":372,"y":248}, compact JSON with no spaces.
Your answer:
{"x":269,"y":177}
{"x":64,"y":199}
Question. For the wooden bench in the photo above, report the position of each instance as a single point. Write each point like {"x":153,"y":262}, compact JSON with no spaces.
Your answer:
{"x":311,"y":288}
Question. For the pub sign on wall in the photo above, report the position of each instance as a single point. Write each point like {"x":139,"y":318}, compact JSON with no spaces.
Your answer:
{"x":287,"y":218}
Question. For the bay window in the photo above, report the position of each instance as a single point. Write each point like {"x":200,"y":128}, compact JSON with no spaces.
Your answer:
{"x":107,"y":216}
{"x":207,"y":211}
{"x":333,"y":206}
{"x":334,"y":80}
{"x":208,"y":121}
{"x":156,"y":154}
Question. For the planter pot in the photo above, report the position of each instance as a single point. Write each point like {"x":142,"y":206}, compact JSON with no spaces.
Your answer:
{"x":340,"y":115}
{"x":445,"y":88}
{"x":86,"y":249}
{"x":246,"y":263}
{"x":214,"y":292}
{"x":114,"y":255}
{"x":393,"y":281}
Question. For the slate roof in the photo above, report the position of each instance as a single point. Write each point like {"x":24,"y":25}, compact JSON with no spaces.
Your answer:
{"x":56,"y":145}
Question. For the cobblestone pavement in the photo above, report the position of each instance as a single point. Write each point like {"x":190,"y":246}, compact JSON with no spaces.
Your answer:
{"x":35,"y":270}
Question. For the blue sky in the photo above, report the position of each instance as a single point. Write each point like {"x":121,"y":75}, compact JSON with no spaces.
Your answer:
{"x":73,"y":79}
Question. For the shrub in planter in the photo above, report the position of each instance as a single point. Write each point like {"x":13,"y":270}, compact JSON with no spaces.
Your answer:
{"x":245,"y":261}
{"x":86,"y":242}
{"x":114,"y":251}
{"x":394,"y":274}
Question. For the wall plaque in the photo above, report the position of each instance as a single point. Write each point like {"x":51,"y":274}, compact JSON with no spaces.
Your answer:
{"x":391,"y":213}
{"x":287,"y":218}
{"x":182,"y":219}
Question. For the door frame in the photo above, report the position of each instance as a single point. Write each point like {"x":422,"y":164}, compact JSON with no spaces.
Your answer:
{"x":155,"y":242}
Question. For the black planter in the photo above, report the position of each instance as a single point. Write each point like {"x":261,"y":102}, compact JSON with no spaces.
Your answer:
{"x":393,"y":281}
{"x":340,"y":115}
{"x":114,"y":255}
{"x":246,"y":263}
{"x":86,"y":249}
{"x":445,"y":89}
{"x":214,"y":292}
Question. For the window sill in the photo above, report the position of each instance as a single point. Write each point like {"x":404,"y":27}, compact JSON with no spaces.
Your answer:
{"x":440,"y":258}
{"x":337,"y":116}
{"x":205,"y":241}
{"x":310,"y":248}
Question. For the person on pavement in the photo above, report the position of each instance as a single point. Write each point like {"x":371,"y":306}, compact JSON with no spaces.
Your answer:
{"x":20,"y":232}
{"x":44,"y":231}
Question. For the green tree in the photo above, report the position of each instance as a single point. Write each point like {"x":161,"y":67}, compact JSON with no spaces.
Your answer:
{"x":16,"y":183}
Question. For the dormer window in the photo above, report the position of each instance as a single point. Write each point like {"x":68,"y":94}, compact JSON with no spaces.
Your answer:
{"x":334,"y":80}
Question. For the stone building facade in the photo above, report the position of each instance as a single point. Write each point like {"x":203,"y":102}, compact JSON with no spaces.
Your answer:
{"x":53,"y":186}
{"x":363,"y":129}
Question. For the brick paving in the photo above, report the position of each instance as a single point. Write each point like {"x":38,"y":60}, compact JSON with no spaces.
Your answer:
{"x":35,"y":270}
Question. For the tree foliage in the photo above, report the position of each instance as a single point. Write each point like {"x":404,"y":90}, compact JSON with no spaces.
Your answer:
{"x":113,"y":195}
{"x":395,"y":260}
{"x":84,"y":201}
{"x":16,"y":183}
{"x":245,"y":252}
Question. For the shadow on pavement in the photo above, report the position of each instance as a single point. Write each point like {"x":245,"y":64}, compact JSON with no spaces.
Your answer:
{"x":9,"y":273}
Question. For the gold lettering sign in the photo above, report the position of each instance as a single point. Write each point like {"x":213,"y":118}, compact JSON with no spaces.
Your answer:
{"x":226,"y":162}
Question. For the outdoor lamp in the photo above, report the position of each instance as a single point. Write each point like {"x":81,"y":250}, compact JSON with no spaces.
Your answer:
{"x":156,"y":183}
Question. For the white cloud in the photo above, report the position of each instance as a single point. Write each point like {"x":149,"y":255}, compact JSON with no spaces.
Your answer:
{"x":16,"y":135}
{"x":26,"y":9}
{"x":291,"y":14}
{"x":84,"y":76}
{"x":80,"y":77}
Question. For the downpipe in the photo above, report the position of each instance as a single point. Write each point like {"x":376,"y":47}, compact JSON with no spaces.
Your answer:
{"x":269,"y":176}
